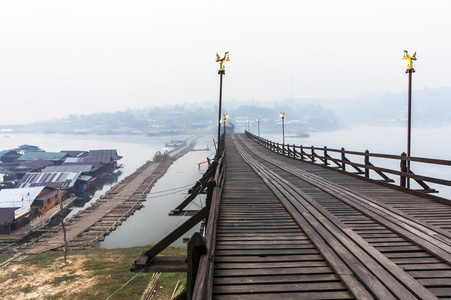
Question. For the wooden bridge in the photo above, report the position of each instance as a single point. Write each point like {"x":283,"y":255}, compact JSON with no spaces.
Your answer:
{"x":278,"y":226}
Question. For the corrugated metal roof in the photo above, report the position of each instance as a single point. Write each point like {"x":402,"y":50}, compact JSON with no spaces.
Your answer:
{"x":28,"y":147}
{"x":65,"y":180}
{"x":13,"y":152}
{"x":32,"y":165}
{"x":94,"y":161}
{"x":52,"y":156}
{"x":13,"y":197}
{"x":74,"y":153}
{"x":69,"y":168}
{"x":104,"y":153}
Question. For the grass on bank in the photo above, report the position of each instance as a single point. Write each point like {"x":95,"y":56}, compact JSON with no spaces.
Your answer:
{"x":107,"y":269}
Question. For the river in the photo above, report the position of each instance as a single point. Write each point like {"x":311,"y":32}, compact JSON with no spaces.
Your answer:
{"x":152,"y":222}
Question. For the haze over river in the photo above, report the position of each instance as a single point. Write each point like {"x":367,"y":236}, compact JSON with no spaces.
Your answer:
{"x":152,"y":222}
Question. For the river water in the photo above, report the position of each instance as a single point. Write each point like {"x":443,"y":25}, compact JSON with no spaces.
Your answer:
{"x":152,"y":222}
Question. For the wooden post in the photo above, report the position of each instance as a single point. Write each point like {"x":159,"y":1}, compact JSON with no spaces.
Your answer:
{"x":313,"y":155}
{"x":343,"y":157}
{"x":63,"y":225}
{"x":196,"y":248}
{"x":367,"y":163}
{"x":325,"y":156}
{"x":302,"y":152}
{"x":211,"y":184}
{"x":403,"y":181}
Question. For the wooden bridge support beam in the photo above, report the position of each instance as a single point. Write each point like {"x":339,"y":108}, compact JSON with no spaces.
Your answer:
{"x":197,"y":247}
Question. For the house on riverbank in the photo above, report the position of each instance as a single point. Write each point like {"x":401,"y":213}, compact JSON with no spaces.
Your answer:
{"x":21,"y":205}
{"x":89,"y":165}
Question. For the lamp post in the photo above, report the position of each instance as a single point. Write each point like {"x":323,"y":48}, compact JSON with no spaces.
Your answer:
{"x":225,"y":121}
{"x":282,"y":115}
{"x":409,"y":70}
{"x":258,"y":122}
{"x":225,"y":60}
{"x":248,"y":125}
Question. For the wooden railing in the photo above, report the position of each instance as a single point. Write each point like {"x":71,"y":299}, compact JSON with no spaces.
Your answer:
{"x":339,"y":159}
{"x":201,"y":284}
{"x":200,"y":255}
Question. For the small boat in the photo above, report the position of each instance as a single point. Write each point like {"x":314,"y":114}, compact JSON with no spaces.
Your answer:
{"x":172,"y":145}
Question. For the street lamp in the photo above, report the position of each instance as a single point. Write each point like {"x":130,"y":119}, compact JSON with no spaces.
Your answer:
{"x":248,"y":125}
{"x":258,"y":124}
{"x":225,"y":120}
{"x":282,"y":115}
{"x":225,"y":60}
{"x":409,"y":70}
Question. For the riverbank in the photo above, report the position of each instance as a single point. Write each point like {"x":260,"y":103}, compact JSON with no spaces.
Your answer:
{"x":105,"y":215}
{"x":93,"y":273}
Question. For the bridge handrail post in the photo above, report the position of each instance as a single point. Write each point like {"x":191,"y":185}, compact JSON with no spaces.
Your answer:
{"x":302,"y":152}
{"x":325,"y":156}
{"x":197,"y":246}
{"x":313,"y":154}
{"x":343,"y":159}
{"x":367,"y":163}
{"x":403,"y":165}
{"x":294,"y":151}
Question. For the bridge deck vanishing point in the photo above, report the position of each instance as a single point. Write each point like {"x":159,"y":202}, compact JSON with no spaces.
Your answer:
{"x":288,"y":229}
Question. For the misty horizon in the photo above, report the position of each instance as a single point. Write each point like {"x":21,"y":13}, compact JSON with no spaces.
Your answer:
{"x":80,"y":58}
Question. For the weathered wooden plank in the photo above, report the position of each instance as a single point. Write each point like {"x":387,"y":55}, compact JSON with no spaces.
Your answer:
{"x":272,"y":271}
{"x":309,"y":295}
{"x":287,"y":287}
{"x":275,"y":257}
{"x":343,"y":212}
{"x":243,"y":254}
{"x":276,"y":279}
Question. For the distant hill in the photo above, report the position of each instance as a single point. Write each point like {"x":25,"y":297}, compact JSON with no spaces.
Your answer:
{"x":430,"y":107}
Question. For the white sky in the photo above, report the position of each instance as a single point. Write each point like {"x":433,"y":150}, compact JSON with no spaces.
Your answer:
{"x":69,"y":57}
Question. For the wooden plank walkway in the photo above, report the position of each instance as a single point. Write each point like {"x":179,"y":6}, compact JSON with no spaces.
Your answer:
{"x":293,"y":230}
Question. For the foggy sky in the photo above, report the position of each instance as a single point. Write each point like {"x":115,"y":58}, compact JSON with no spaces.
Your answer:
{"x":72,"y":57}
